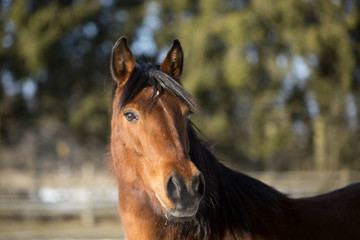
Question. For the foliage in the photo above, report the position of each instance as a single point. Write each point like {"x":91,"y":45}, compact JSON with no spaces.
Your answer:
{"x":278,"y":80}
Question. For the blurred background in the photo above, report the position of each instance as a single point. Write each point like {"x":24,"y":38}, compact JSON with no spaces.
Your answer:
{"x":278,"y":82}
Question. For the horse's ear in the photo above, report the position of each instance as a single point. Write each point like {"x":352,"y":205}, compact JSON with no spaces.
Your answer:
{"x":173,"y":63}
{"x":122,"y":61}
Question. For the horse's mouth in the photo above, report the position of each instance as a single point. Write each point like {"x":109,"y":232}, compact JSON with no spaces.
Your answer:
{"x":171,"y":217}
{"x":177,"y":215}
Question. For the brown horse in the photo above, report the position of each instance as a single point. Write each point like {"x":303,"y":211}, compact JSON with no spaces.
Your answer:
{"x":172,"y":187}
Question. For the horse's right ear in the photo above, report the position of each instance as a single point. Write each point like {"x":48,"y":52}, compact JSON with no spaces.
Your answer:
{"x":122,"y":61}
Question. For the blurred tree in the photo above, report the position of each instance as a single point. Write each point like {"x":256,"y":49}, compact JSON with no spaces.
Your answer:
{"x":54,"y":69}
{"x":278,"y":80}
{"x":57,"y":57}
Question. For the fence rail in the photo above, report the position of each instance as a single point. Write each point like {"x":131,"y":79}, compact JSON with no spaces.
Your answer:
{"x":89,"y":203}
{"x":307,"y":183}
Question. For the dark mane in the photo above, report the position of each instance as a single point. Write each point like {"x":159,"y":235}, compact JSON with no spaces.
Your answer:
{"x":228,"y":194}
{"x":149,"y":75}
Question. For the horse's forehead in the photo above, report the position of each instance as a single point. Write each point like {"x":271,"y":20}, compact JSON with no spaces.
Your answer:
{"x":161,"y":100}
{"x":144,"y":95}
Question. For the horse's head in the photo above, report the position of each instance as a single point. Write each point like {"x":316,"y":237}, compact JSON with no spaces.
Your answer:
{"x":149,"y":142}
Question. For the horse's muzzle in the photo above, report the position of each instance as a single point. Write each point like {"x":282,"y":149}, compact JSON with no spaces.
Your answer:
{"x":186,"y":197}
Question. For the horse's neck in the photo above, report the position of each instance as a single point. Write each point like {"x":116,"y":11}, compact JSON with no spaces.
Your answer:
{"x":247,"y":199}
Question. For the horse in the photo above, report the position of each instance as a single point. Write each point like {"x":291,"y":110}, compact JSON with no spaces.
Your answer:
{"x":171,"y":185}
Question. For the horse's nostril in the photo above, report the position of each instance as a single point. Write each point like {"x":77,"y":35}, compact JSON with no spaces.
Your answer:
{"x":184,"y":196}
{"x":198,"y":185}
{"x":173,"y":188}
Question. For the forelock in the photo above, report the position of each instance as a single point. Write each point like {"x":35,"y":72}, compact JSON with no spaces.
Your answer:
{"x":149,"y":75}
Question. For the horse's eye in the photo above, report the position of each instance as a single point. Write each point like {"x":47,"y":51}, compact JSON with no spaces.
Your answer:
{"x":131,"y":117}
{"x":188,"y":115}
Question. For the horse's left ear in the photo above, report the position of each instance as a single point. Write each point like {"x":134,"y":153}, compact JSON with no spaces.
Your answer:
{"x":173,"y":63}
